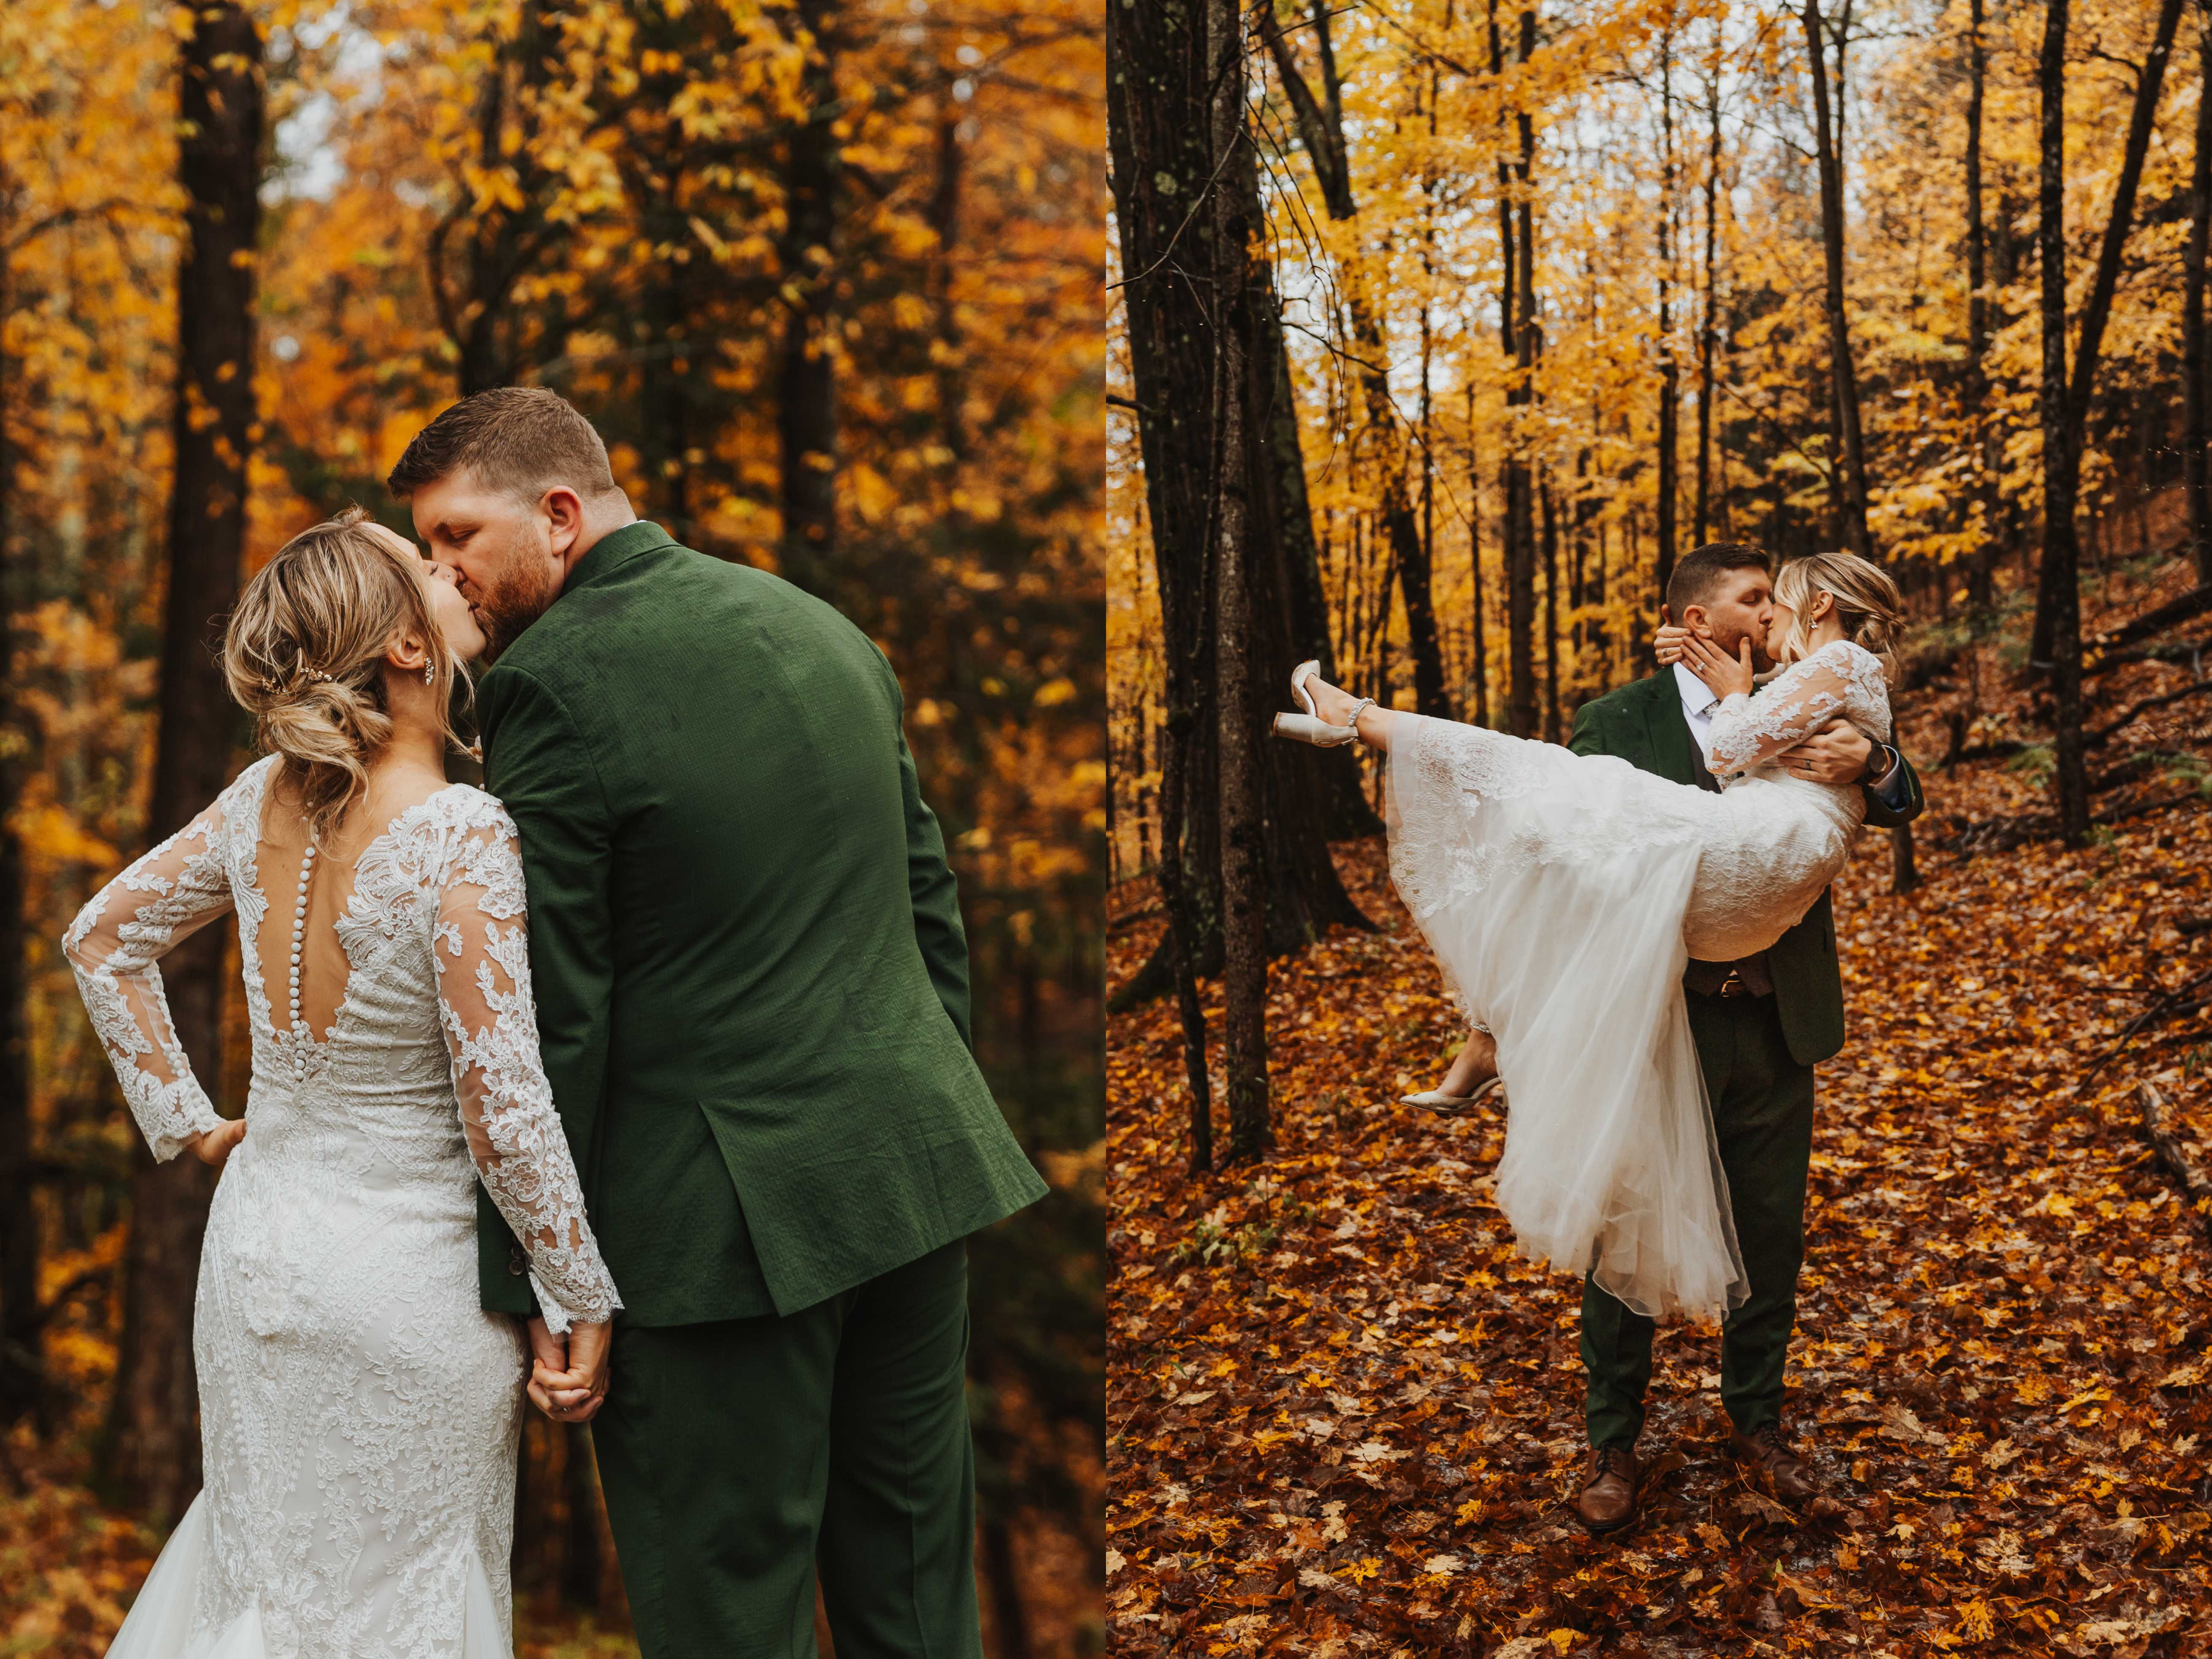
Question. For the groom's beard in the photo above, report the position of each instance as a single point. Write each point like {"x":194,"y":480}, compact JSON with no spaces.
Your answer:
{"x":1761,"y":662}
{"x":505,"y":611}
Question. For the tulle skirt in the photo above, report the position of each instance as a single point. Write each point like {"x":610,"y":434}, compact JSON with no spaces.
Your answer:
{"x":1553,"y":889}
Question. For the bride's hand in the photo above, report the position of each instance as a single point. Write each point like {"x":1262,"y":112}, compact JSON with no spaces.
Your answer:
{"x":1666,"y":644}
{"x":575,"y":1393}
{"x":1725,"y":675}
{"x":214,"y":1145}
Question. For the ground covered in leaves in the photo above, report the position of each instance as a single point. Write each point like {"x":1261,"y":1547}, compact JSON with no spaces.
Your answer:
{"x":1345,"y":1416}
{"x":70,"y":1569}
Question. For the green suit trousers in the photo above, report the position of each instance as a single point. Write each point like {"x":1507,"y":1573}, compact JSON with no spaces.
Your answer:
{"x":1762,"y":1103}
{"x":738,"y":1455}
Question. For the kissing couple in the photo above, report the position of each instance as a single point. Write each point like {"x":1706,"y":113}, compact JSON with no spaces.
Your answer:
{"x":665,"y":1030}
{"x":1638,"y":926}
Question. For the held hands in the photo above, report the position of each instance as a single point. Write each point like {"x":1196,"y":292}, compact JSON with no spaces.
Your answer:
{"x":1726,"y":675}
{"x":214,"y":1145}
{"x":569,"y":1374}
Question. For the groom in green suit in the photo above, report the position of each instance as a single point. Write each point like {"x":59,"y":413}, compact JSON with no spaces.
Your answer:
{"x":751,"y":984}
{"x":1761,"y":1024}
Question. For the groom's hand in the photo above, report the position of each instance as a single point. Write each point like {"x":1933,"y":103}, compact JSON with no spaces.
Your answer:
{"x":1838,"y":753}
{"x":1666,"y":644}
{"x":549,"y":1357}
{"x":574,"y":1393}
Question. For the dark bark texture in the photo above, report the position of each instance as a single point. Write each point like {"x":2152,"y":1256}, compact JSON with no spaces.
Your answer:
{"x":2196,"y":413}
{"x":149,"y":1454}
{"x":1159,"y":116}
{"x":1244,"y":852}
{"x":806,"y":379}
{"x":1850,"y":461}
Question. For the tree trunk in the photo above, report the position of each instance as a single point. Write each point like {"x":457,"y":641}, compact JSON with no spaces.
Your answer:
{"x":584,"y":1562}
{"x":2047,"y":643}
{"x":1550,"y":614}
{"x":22,"y":1370}
{"x":1480,"y":647}
{"x":1670,"y":389}
{"x":1320,"y":123}
{"x":1243,"y":901}
{"x":1329,"y":778}
{"x":2196,"y":410}
{"x":1159,"y":116}
{"x":806,"y":383}
{"x":1843,"y":389}
{"x":149,"y":1455}
{"x":1710,"y":332}
{"x":502,"y":243}
{"x":2061,"y":552}
{"x":1157,"y":128}
{"x":1903,"y":871}
{"x":1986,"y":459}
{"x":1010,"y":1622}
{"x":1516,"y":320}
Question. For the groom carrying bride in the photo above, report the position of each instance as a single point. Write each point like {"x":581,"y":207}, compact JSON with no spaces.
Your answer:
{"x":1760,"y":1025}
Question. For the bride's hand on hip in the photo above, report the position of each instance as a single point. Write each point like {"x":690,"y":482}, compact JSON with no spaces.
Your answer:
{"x":214,"y":1145}
{"x":1725,"y":675}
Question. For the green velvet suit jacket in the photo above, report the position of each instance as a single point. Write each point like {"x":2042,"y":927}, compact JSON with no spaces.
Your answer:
{"x":751,"y":974}
{"x":1643,"y":723}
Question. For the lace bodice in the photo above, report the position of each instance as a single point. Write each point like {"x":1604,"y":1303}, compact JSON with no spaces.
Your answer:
{"x":432,"y":1061}
{"x":1839,"y":679}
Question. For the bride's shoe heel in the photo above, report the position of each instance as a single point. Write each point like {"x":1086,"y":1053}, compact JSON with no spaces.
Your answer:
{"x":1436,"y":1100}
{"x":1305,"y":729}
{"x":1310,"y":727}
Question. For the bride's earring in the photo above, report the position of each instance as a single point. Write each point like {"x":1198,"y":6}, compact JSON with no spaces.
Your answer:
{"x":429,"y":672}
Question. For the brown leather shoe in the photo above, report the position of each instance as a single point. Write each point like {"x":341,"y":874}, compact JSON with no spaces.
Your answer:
{"x":1607,"y":1502}
{"x":1772,"y":1464}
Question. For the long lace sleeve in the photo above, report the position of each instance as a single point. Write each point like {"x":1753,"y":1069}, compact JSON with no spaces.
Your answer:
{"x":1839,"y":679}
{"x":115,"y":945}
{"x":514,"y":1132}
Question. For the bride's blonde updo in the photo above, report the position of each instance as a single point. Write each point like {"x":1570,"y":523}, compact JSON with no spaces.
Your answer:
{"x":1868,"y":603}
{"x":304,"y":655}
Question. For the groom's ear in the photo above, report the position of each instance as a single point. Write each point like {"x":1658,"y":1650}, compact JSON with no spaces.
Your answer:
{"x":564,"y":517}
{"x":1693,"y":617}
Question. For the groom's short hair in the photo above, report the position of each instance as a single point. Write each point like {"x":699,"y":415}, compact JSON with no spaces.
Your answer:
{"x":1701,"y":569}
{"x":523,"y":439}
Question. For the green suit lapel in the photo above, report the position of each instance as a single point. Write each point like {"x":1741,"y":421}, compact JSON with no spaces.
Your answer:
{"x":1673,"y":750}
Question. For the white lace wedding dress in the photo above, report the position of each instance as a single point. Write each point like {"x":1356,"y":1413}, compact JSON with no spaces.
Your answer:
{"x":358,"y":1410}
{"x":1562,"y":895}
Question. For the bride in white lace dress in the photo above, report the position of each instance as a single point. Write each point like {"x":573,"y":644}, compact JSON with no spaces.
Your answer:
{"x":1563,"y":893}
{"x":358,"y":1411}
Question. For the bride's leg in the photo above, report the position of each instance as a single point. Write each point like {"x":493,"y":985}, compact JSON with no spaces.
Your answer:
{"x":1475,"y":1064}
{"x":1334,"y":703}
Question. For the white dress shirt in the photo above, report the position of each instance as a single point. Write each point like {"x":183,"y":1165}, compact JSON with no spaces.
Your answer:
{"x":1697,"y":705}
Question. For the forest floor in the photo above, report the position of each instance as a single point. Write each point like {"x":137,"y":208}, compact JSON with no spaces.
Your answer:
{"x":1345,"y":1416}
{"x":69,"y":1568}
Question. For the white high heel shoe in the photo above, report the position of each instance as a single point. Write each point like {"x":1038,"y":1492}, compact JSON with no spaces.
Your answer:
{"x":1310,"y":727}
{"x":1436,"y":1100}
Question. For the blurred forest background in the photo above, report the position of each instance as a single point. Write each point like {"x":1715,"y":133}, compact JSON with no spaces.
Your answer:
{"x":825,"y":272}
{"x":1442,"y":328}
